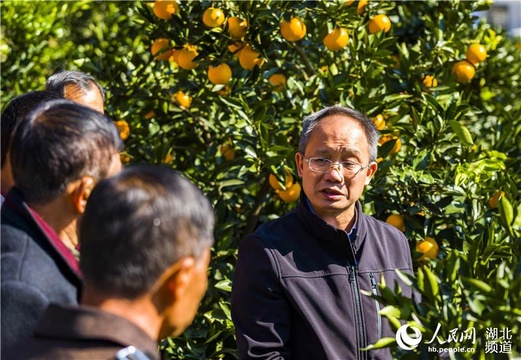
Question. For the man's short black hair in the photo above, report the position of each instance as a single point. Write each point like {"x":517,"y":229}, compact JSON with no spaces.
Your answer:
{"x":16,"y":110}
{"x":137,"y":224}
{"x":58,"y":143}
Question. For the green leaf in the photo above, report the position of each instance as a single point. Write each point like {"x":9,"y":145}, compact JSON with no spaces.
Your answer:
{"x":506,"y":210}
{"x":225,"y":285}
{"x":462,"y":132}
{"x":481,"y":285}
{"x":390,"y":311}
{"x":231,"y":182}
{"x":381,"y":343}
{"x":432,"y":282}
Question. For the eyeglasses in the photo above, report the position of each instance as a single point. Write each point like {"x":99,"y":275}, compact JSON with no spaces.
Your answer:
{"x":323,"y":165}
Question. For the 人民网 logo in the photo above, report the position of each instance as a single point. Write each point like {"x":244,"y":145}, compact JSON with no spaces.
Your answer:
{"x":406,"y":341}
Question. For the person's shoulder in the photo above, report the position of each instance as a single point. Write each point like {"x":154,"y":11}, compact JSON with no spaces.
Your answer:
{"x":24,"y":260}
{"x":42,"y":348}
{"x":16,"y":247}
{"x":14,"y":219}
{"x":279,"y":228}
{"x":279,"y":224}
{"x":375,"y":225}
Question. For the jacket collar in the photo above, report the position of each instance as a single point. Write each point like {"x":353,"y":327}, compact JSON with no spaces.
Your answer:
{"x":322,"y":230}
{"x":16,"y":203}
{"x":67,"y":323}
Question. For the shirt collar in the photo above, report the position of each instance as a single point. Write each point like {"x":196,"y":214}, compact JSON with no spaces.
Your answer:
{"x":351,"y":234}
{"x":55,"y":240}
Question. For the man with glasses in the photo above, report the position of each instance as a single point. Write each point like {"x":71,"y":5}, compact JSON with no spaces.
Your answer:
{"x":300,"y":282}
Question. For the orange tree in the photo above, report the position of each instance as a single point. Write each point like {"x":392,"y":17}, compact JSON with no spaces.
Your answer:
{"x":451,"y":136}
{"x":217,"y":90}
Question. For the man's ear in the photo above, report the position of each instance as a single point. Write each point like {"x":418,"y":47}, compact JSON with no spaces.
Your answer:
{"x":81,"y":192}
{"x":299,"y":160}
{"x":371,"y":170}
{"x":174,"y":282}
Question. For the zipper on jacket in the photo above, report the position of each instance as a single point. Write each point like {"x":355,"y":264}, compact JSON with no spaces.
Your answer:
{"x":377,"y":304}
{"x":362,"y":342}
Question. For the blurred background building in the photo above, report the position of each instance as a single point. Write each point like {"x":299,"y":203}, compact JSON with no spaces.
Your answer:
{"x":506,"y":14}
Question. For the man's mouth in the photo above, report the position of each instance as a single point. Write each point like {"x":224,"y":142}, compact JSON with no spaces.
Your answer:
{"x":332,"y":192}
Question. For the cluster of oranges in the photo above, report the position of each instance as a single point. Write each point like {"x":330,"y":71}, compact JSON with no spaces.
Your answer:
{"x":465,"y":70}
{"x":292,"y":30}
{"x":379,"y":121}
{"x":338,"y":38}
{"x":428,"y":247}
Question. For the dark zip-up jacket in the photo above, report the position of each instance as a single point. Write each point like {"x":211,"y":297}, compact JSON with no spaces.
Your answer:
{"x":83,"y":333}
{"x":34,"y":272}
{"x":297,"y":287}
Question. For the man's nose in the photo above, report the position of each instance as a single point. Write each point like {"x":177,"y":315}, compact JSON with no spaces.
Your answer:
{"x":335,"y":172}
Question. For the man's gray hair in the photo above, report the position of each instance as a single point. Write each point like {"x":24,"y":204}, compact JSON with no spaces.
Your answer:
{"x":371,"y":132}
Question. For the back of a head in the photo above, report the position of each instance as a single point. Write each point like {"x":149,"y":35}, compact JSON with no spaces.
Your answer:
{"x":139,"y":223}
{"x":58,"y":143}
{"x":16,"y":110}
{"x":76,"y":86}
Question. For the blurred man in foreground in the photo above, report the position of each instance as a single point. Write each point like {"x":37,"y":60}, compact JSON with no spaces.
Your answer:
{"x":146,"y":237}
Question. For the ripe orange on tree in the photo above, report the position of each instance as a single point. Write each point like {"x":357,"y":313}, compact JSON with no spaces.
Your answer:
{"x":493,"y":201}
{"x":379,"y":121}
{"x":184,"y":57}
{"x":398,"y":221}
{"x":337,"y":39}
{"x":123,"y":128}
{"x":182,"y":99}
{"x":149,"y":115}
{"x":213,"y":17}
{"x":159,"y":45}
{"x":225,"y":91}
{"x":429,"y":247}
{"x":278,"y":81}
{"x":164,"y":9}
{"x":237,"y":27}
{"x":125,"y":158}
{"x":291,"y":194}
{"x":397,"y":145}
{"x":476,"y":53}
{"x":174,"y":55}
{"x":430,"y":81}
{"x":274,"y":182}
{"x":293,"y":30}
{"x":220,"y":74}
{"x":235,"y":48}
{"x":249,"y":58}
{"x":464,"y":71}
{"x":168,"y":158}
{"x":361,"y":6}
{"x":379,"y":23}
{"x":227,"y":151}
